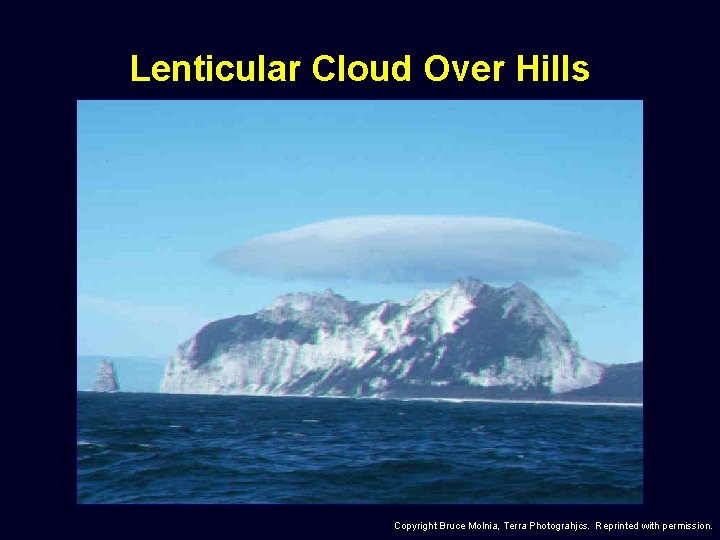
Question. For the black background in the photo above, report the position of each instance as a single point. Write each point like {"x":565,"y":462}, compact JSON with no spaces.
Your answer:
{"x":85,"y":54}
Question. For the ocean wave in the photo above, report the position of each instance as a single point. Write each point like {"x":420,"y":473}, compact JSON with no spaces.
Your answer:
{"x":435,"y":453}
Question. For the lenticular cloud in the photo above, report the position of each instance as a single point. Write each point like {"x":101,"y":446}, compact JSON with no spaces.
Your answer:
{"x":418,"y":248}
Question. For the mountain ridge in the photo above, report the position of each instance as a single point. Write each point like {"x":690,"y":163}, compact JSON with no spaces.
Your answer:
{"x":471,"y":340}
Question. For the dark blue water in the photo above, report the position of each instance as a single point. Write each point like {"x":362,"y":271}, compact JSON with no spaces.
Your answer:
{"x":154,"y":448}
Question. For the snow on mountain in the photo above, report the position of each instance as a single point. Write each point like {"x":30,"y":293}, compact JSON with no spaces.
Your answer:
{"x":470,"y":340}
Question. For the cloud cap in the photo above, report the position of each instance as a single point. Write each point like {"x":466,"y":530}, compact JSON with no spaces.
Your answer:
{"x":419,"y":249}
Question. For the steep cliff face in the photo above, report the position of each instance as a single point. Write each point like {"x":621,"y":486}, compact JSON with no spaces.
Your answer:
{"x":106,"y":379}
{"x":471,"y":340}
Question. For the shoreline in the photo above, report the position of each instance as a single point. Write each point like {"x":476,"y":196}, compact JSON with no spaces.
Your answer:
{"x":372,"y":398}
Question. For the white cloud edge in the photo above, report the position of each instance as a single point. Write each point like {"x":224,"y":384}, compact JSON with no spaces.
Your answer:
{"x":412,"y":248}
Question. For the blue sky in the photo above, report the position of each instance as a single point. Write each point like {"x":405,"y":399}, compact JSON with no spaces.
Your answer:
{"x":166,"y":186}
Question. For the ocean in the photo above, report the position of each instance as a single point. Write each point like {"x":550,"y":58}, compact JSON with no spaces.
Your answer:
{"x":159,"y":448}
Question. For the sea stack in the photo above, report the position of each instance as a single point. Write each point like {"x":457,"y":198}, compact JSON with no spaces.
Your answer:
{"x":106,"y":379}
